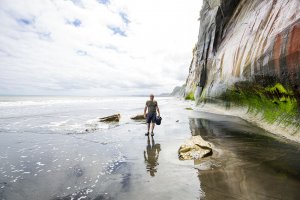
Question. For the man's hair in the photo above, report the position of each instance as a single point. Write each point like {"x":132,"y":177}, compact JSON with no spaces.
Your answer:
{"x":151,"y":95}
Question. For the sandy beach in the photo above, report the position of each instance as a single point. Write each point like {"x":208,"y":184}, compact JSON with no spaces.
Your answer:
{"x":56,"y":148}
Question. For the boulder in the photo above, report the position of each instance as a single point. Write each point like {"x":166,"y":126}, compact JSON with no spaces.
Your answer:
{"x":195,"y":148}
{"x":111,"y":118}
{"x":138,"y":117}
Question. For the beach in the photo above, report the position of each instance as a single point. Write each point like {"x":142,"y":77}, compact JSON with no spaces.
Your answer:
{"x":55,"y":148}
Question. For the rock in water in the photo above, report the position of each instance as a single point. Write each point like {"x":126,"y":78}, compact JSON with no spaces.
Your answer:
{"x":111,"y":118}
{"x":138,"y":117}
{"x":195,"y":148}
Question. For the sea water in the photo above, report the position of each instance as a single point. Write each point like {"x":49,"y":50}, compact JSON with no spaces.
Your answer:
{"x":55,"y":148}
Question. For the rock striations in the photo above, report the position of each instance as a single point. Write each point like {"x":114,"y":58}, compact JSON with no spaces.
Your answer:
{"x":248,"y":55}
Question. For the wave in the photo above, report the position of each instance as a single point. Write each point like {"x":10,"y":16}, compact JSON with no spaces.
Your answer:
{"x":20,"y":101}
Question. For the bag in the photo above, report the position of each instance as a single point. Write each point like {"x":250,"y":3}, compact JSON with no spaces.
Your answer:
{"x":158,"y":120}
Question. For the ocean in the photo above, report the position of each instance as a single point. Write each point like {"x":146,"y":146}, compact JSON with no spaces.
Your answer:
{"x":64,"y":115}
{"x":55,"y":148}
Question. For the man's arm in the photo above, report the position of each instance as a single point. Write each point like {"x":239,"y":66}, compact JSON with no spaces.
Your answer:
{"x":157,"y":108}
{"x":145,"y":109}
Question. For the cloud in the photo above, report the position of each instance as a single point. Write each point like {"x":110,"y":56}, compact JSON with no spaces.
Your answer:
{"x":81,"y":52}
{"x":104,"y":1}
{"x":75,"y":22}
{"x":95,"y":47}
{"x":117,"y":30}
{"x":25,"y":21}
{"x":124,"y":17}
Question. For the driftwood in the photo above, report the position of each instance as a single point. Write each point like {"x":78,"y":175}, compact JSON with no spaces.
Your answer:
{"x":138,"y":117}
{"x":111,"y":118}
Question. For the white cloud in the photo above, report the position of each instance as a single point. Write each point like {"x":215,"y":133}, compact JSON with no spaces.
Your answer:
{"x":95,"y":47}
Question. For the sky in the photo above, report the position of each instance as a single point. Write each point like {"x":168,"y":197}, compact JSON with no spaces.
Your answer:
{"x":96,"y":47}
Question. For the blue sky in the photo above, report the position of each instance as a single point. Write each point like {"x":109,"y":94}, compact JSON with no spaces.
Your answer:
{"x":95,"y":47}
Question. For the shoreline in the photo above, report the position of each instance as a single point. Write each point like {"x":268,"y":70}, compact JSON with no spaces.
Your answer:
{"x":256,"y":120}
{"x":120,"y":162}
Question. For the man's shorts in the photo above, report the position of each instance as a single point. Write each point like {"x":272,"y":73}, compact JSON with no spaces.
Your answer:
{"x":150,"y":117}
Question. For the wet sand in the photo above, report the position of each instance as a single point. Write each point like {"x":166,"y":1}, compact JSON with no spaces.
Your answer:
{"x":121,"y":163}
{"x":248,"y":164}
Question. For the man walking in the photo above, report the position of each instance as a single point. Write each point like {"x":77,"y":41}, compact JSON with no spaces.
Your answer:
{"x":152,"y":106}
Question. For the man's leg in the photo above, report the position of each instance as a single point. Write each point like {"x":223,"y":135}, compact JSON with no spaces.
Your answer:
{"x":153,"y":125}
{"x":148,"y":123}
{"x":148,"y":126}
{"x":153,"y":142}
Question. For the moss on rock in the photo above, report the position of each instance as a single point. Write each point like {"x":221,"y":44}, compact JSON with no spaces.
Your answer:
{"x":190,"y":96}
{"x":275,"y":103}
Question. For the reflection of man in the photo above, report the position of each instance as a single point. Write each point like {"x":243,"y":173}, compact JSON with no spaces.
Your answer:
{"x":152,"y":156}
{"x":152,"y":106}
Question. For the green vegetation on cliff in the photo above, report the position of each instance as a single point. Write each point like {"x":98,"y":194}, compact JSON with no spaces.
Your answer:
{"x":275,"y":103}
{"x":190,"y":96}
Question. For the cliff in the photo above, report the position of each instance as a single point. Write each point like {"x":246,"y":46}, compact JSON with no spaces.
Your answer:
{"x":178,"y":91}
{"x":248,"y":56}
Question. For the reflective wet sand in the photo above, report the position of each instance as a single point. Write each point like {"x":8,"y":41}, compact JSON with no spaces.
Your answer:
{"x":119,"y":162}
{"x":248,"y":163}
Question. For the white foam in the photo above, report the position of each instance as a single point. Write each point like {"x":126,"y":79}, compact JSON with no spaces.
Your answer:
{"x":45,"y":101}
{"x":39,"y":163}
{"x":89,"y":191}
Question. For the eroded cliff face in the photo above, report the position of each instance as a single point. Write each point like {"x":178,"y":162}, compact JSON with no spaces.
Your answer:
{"x":248,"y":55}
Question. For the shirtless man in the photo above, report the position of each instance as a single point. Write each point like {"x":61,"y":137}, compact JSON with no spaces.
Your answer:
{"x":150,"y":116}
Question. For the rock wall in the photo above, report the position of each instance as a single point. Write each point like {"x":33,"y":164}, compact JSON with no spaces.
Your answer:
{"x":248,"y":55}
{"x":178,"y":91}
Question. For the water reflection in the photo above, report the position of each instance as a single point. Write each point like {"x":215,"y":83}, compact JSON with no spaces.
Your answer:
{"x":252,"y":165}
{"x":151,"y":156}
{"x":197,"y":127}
